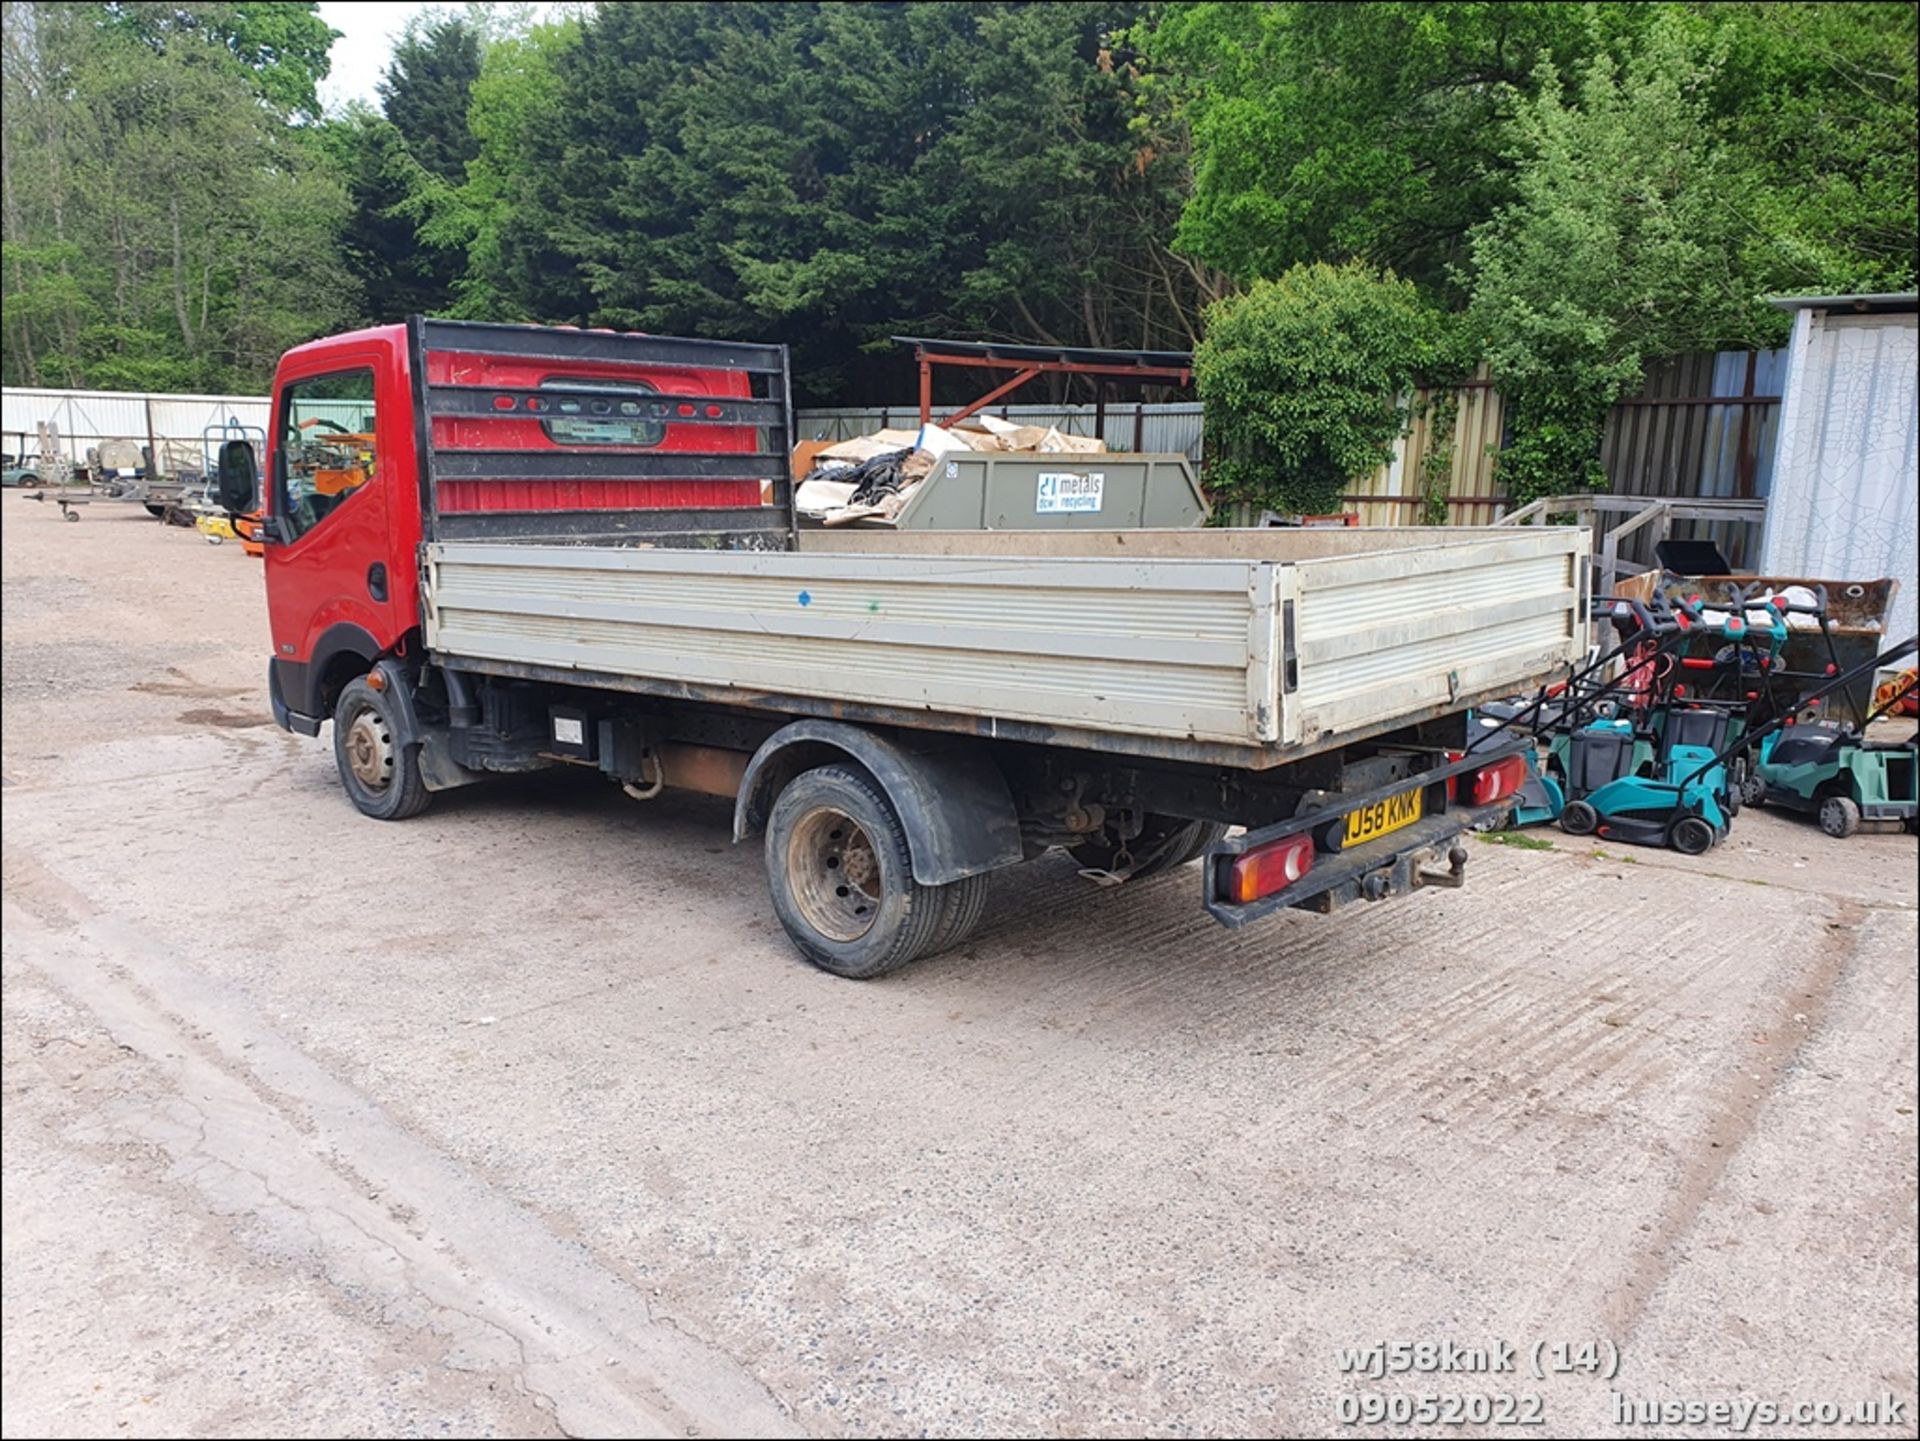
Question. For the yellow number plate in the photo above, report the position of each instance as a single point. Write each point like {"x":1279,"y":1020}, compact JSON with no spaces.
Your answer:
{"x":1371,"y":822}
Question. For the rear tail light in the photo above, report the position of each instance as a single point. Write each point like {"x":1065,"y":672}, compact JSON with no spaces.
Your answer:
{"x":1499,"y":780}
{"x":1269,"y":868}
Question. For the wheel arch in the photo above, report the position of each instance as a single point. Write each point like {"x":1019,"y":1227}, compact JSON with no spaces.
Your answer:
{"x":952,"y":800}
{"x":343,"y":652}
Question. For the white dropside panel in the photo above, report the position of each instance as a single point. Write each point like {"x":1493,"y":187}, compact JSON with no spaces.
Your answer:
{"x":1409,"y":633}
{"x":1171,"y":648}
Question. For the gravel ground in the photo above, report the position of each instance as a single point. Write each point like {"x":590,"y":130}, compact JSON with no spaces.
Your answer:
{"x":522,"y":1118}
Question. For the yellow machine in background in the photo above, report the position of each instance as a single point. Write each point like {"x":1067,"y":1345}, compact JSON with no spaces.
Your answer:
{"x":1884,"y":694}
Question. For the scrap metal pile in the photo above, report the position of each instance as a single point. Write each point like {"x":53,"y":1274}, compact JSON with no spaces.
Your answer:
{"x":869,"y":478}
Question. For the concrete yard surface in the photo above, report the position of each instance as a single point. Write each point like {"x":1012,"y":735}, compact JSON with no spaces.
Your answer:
{"x":522,"y":1117}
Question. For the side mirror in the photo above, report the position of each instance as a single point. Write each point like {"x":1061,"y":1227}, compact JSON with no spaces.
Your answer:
{"x":238,"y":482}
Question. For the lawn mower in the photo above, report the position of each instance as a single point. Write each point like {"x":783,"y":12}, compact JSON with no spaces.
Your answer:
{"x":1562,"y":711}
{"x":1835,"y":773}
{"x":1647,"y":773}
{"x":1686,"y":803}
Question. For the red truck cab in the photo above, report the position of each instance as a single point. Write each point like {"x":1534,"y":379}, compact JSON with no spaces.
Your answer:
{"x":381,"y":438}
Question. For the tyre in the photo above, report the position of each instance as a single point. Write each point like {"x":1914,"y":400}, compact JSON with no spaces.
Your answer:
{"x":962,"y":904}
{"x":1839,"y":816}
{"x":380,"y":776}
{"x":1692,"y":836}
{"x":1730,"y":802}
{"x":1579,"y":819}
{"x":842,"y":878}
{"x":1164,"y":841}
{"x":1753,"y":790}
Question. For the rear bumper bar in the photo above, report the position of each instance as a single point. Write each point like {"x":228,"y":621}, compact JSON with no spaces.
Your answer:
{"x":1426,"y":853}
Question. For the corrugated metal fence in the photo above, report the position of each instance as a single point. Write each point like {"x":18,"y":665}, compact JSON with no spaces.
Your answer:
{"x":1703,"y":425}
{"x":1396,"y":494}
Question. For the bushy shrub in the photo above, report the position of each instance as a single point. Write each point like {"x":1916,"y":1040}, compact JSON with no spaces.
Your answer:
{"x":1307,"y":381}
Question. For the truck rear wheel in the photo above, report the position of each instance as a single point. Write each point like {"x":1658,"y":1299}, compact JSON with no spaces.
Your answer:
{"x":962,"y":905}
{"x":380,"y":775}
{"x":842,"y":877}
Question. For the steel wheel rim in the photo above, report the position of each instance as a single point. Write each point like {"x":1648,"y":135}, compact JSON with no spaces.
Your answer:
{"x":835,"y":874}
{"x":370,"y":750}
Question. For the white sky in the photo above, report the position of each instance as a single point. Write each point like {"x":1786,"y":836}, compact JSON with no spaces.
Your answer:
{"x":369,"y":28}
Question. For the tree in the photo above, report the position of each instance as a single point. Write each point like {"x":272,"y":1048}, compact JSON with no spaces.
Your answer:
{"x":831,"y":174}
{"x":1820,"y":103}
{"x":1370,"y":131}
{"x":1623,"y":242}
{"x":426,"y":90}
{"x":281,"y":46}
{"x":165,"y":227}
{"x":405,"y":169}
{"x":517,"y":96}
{"x":1306,"y":379}
{"x":399,"y":273}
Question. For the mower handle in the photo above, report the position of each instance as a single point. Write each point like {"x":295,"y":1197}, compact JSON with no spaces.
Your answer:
{"x":1654,"y":620}
{"x":1649,"y":622}
{"x":1785,"y":607}
{"x":1746,"y":742}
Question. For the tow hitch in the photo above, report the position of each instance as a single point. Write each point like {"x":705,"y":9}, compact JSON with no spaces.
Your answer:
{"x":1453,"y":877}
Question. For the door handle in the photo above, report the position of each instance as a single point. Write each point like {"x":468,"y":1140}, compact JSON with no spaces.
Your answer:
{"x":377,"y":581}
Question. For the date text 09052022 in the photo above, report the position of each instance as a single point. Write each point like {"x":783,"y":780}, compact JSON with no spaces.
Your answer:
{"x":1425,"y":1408}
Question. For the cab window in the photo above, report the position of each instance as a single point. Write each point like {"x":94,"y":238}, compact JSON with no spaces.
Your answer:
{"x":327,"y":446}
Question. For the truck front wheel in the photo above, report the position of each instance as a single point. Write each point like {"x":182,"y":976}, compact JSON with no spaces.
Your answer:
{"x":380,"y":775}
{"x":842,"y":877}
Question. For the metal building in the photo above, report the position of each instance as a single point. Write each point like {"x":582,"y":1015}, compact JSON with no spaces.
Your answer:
{"x":1846,"y":498}
{"x":88,"y":417}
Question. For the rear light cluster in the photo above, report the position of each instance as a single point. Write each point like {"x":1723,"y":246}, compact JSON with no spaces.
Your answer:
{"x":1269,"y":868}
{"x":1499,"y":780}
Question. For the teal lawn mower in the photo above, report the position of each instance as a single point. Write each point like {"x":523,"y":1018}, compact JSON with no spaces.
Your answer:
{"x":1835,"y":773}
{"x":1685,"y":804}
{"x":1578,"y":750}
{"x":1633,"y":759}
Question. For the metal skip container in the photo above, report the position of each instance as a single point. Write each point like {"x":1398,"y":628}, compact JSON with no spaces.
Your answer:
{"x":984,"y":490}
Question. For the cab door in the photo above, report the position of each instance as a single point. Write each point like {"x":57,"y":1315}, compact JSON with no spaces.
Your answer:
{"x":333,"y":462}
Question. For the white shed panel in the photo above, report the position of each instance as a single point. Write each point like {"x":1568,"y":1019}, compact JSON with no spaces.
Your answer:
{"x":1846,"y":496}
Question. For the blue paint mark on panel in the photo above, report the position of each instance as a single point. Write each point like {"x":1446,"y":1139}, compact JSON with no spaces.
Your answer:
{"x":805,"y":599}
